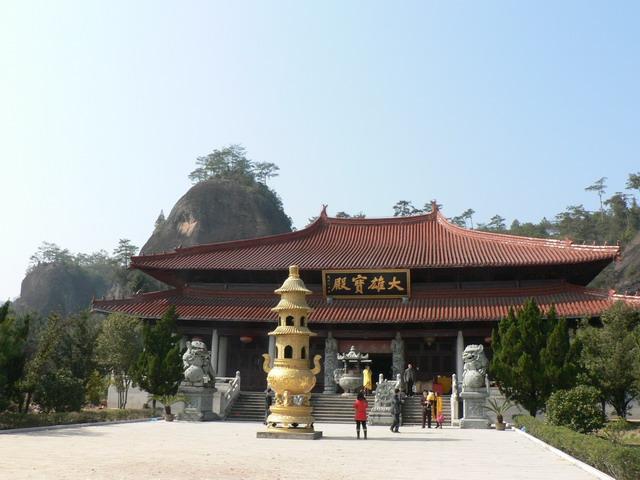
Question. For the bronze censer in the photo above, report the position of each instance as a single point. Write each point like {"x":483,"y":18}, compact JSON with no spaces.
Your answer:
{"x":290,"y":377}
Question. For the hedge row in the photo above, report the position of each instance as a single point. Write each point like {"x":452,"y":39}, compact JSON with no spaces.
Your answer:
{"x":619,"y":461}
{"x":10,"y":420}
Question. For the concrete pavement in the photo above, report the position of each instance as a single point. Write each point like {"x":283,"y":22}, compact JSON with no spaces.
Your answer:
{"x":230,"y":450}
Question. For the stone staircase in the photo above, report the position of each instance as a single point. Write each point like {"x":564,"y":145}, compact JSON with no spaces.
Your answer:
{"x":335,"y":408}
{"x":249,"y":406}
{"x":412,"y":411}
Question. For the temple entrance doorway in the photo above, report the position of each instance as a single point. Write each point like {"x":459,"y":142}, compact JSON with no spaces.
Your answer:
{"x":380,"y":364}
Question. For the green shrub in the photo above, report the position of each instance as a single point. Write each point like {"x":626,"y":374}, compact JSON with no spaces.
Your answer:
{"x":578,"y":408}
{"x":10,"y":420}
{"x":96,"y":389}
{"x":621,"y":462}
{"x":616,"y":431}
{"x":59,"y":391}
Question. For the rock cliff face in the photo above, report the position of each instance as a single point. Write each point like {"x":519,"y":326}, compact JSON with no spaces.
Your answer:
{"x":211,"y":211}
{"x":623,"y":275}
{"x":59,"y":287}
{"x":219,"y":210}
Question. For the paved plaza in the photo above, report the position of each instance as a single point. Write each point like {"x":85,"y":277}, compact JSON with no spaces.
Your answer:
{"x":229,"y":450}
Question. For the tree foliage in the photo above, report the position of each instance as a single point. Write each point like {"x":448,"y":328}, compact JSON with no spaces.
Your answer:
{"x":118,"y":347}
{"x":610,"y":356}
{"x":124,"y":251}
{"x":532,"y":356}
{"x":160,"y":220}
{"x":59,"y":391}
{"x":616,"y":221}
{"x":44,"y":359}
{"x":232,"y":163}
{"x":13,"y":354}
{"x":577,"y":408}
{"x":600,"y":187}
{"x":159,"y":366}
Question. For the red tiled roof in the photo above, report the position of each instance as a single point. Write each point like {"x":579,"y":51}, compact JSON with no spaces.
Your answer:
{"x":422,"y":241}
{"x":440,"y":305}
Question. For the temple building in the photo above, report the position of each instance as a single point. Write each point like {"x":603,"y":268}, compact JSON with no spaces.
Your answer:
{"x":412,"y":289}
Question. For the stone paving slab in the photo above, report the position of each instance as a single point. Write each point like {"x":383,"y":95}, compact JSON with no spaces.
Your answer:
{"x":230,"y":450}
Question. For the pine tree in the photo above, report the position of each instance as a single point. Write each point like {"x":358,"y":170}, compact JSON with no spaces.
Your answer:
{"x":610,"y":356}
{"x":159,"y":366}
{"x":160,"y":220}
{"x":532,"y":356}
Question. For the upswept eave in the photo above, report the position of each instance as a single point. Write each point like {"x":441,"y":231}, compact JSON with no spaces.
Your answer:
{"x":420,"y":241}
{"x":478,"y":304}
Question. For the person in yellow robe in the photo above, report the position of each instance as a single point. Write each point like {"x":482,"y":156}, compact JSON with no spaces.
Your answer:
{"x":367,"y":380}
{"x":439,"y":412}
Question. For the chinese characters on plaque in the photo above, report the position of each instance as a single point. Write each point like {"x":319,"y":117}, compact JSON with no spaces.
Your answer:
{"x":366,"y":283}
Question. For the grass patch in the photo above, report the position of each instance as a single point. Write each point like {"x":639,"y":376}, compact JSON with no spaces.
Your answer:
{"x":631,"y":434}
{"x":10,"y":420}
{"x":620,"y":461}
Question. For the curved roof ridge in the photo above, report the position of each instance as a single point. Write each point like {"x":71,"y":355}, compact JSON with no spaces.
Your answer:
{"x":431,"y":216}
{"x":321,"y":220}
{"x":244,"y":242}
{"x":519,"y":239}
{"x":418,"y":241}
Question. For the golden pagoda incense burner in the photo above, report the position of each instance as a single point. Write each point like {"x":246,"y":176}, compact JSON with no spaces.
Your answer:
{"x":290,"y":377}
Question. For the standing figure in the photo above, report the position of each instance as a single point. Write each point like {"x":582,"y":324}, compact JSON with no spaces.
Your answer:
{"x":396,"y":410}
{"x":268,"y":400}
{"x":330,"y":364}
{"x":439,"y":413}
{"x":397,"y":358}
{"x":427,"y":409}
{"x":367,"y":380}
{"x":360,"y":406}
{"x":409,"y":378}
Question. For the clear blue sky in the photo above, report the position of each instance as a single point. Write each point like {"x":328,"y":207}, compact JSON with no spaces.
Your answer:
{"x":507,"y":107}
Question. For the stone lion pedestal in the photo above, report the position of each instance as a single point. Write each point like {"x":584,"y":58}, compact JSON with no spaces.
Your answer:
{"x":198,"y":403}
{"x":197,"y":388}
{"x":475,"y":388}
{"x":380,"y":414}
{"x":474,"y":414}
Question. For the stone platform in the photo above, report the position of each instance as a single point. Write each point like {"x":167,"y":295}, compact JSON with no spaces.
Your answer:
{"x":290,"y":436}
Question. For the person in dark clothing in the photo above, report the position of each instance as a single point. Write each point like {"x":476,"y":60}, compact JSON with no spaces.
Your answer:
{"x":409,"y":378}
{"x":360,"y":406}
{"x":268,"y":400}
{"x":426,"y":409}
{"x":396,"y":410}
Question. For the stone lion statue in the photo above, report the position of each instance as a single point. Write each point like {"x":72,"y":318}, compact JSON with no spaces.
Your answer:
{"x":196,"y":362}
{"x":475,"y":367}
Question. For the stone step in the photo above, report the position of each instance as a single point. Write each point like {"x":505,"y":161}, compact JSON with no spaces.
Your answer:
{"x":249,"y":406}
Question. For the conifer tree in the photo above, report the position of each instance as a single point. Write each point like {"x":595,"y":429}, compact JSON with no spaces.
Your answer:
{"x":159,"y":366}
{"x":532,"y":356}
{"x":610,"y":354}
{"x":13,"y":337}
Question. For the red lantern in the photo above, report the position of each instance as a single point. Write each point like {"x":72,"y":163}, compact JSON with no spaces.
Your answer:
{"x":246,"y":339}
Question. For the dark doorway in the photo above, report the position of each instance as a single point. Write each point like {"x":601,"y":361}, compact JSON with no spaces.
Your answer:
{"x":246,"y":357}
{"x":380,"y":364}
{"x":433,"y":357}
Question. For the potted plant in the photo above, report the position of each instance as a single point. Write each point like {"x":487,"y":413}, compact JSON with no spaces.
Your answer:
{"x":167,"y":401}
{"x":499,"y":409}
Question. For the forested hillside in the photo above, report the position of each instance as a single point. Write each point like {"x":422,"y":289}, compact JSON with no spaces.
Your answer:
{"x":616,"y":221}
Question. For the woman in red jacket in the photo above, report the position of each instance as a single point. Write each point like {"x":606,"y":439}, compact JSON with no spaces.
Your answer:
{"x":360,"y":406}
